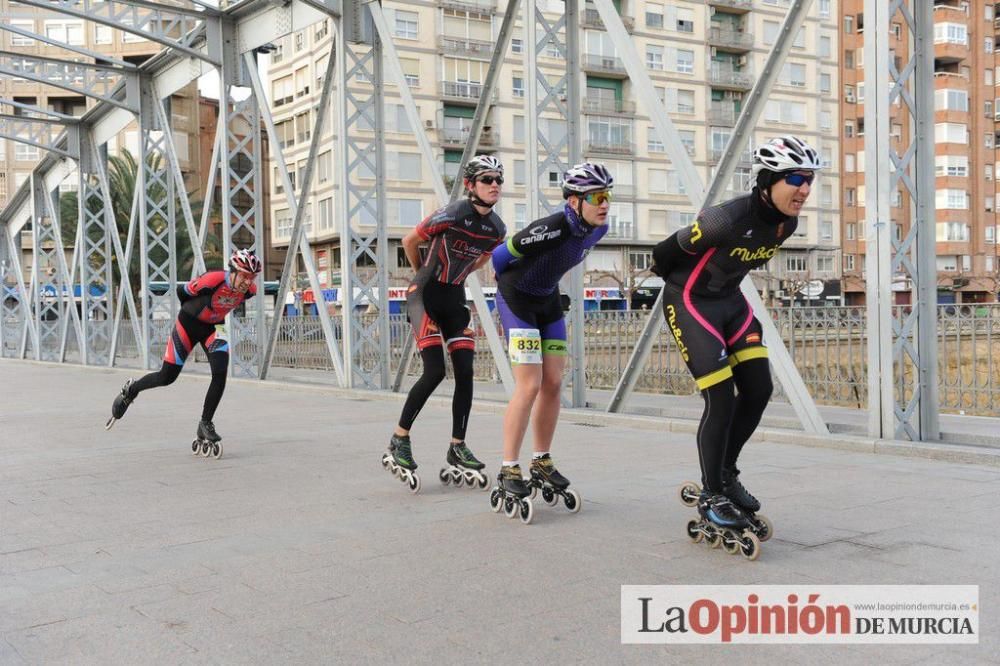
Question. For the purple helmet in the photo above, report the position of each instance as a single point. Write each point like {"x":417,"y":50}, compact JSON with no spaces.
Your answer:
{"x":586,"y":177}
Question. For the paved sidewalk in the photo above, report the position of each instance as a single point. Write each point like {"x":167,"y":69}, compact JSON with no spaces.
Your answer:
{"x":296,"y":547}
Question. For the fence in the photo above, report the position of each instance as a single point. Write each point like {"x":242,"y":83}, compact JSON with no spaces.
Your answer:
{"x":828,"y":345}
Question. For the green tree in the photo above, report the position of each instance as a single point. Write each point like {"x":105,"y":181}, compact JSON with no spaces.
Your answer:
{"x":122,"y":179}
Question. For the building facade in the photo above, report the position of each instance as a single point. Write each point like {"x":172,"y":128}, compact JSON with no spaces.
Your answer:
{"x":703,"y":57}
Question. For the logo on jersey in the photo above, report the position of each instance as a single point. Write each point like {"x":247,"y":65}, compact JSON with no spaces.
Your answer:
{"x":753,"y":339}
{"x":676,"y":330}
{"x":695,"y":232}
{"x":748,"y":234}
{"x":225,"y":300}
{"x":747,"y":255}
{"x":469,"y":221}
{"x":539,"y":234}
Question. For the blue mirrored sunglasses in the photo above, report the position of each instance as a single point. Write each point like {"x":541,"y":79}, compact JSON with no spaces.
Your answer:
{"x":798,"y":179}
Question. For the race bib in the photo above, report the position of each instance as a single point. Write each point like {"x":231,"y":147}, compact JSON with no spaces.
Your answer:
{"x":525,"y":346}
{"x":220,"y":333}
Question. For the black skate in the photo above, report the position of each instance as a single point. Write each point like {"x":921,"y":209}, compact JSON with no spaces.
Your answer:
{"x":207,"y":442}
{"x":120,"y":405}
{"x":463,"y":468}
{"x":721,"y":523}
{"x":553,"y":485}
{"x":759,"y":523}
{"x":511,"y":493}
{"x":399,"y":461}
{"x":734,"y":490}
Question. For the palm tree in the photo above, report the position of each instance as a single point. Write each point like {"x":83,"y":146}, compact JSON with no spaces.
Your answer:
{"x":122,"y":178}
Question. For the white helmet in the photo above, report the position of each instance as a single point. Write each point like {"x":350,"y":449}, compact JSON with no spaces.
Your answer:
{"x":785,"y":153}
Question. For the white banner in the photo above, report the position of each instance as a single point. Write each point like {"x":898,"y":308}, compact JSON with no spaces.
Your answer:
{"x":829,"y":614}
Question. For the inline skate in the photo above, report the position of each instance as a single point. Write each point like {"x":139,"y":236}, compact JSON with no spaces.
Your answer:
{"x":398,"y":461}
{"x":552,"y":484}
{"x":511,"y":494}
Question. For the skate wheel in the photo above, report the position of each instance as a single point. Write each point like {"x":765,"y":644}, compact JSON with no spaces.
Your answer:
{"x":483,"y":481}
{"x":730,"y":542}
{"x":572,"y":501}
{"x":444,"y":477}
{"x":694,"y":532}
{"x":385,"y":460}
{"x":195,"y":447}
{"x":713,"y":538}
{"x":470,"y":478}
{"x":509,"y":506}
{"x":549,"y":496}
{"x":456,"y":477}
{"x":750,"y":545}
{"x":217,"y":450}
{"x":689,"y":493}
{"x":496,"y":500}
{"x":413,"y":481}
{"x":206,"y":449}
{"x":110,"y":423}
{"x":534,"y":492}
{"x":766,"y":529}
{"x":526,"y":511}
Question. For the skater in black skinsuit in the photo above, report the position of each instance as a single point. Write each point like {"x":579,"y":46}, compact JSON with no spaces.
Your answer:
{"x":716,"y":332}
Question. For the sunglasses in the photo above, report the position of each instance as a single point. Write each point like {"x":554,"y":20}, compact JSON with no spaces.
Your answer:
{"x":489,"y":180}
{"x":597,"y":198}
{"x":799,"y":179}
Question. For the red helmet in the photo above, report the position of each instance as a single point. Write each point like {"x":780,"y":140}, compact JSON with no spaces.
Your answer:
{"x":245,"y":261}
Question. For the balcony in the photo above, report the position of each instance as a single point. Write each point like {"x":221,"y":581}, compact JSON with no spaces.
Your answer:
{"x":451,"y":137}
{"x":723,"y":114}
{"x":609,"y":147}
{"x":463,"y":92}
{"x":602,"y":64}
{"x":734,"y":41}
{"x":736,"y":6}
{"x":477,"y":6}
{"x":592,"y":19}
{"x":949,"y":53}
{"x":465,"y":48}
{"x":732,"y":79}
{"x":593,"y":105}
{"x":621,"y":229}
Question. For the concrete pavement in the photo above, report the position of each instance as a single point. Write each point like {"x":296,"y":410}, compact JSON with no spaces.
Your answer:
{"x":297,"y":547}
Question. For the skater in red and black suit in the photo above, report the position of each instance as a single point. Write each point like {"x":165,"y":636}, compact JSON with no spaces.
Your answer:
{"x":205,"y":302}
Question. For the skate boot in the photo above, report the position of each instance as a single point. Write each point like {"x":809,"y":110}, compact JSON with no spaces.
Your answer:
{"x":741,"y":497}
{"x":398,"y":461}
{"x":722,"y":523}
{"x":553,"y":485}
{"x":121,"y":403}
{"x":463,"y":468}
{"x":207,"y":443}
{"x":511,"y":493}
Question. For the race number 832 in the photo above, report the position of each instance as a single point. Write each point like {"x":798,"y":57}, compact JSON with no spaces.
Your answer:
{"x":525,"y":346}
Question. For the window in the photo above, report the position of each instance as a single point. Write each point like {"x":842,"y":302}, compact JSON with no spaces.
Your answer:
{"x":989,"y":12}
{"x":518,"y":86}
{"x":849,"y":231}
{"x":848,"y":262}
{"x":850,"y":197}
{"x":848,"y":24}
{"x":795,"y":263}
{"x":516,"y":45}
{"x":825,"y":120}
{"x":325,"y":166}
{"x":518,"y":129}
{"x":299,"y":40}
{"x":824,"y":83}
{"x":658,"y":223}
{"x":988,"y":172}
{"x":951,"y":199}
{"x":281,"y":91}
{"x":989,"y":263}
{"x":520,"y":215}
{"x":825,"y":47}
{"x":988,"y":76}
{"x":322,"y":29}
{"x":102,"y":34}
{"x":947,"y":263}
{"x":793,"y":74}
{"x":848,"y":129}
{"x":824,"y":264}
{"x":654,"y":57}
{"x":405,"y":166}
{"x":519,"y":172}
{"x":405,"y":211}
{"x":69,"y":32}
{"x":406,"y":24}
{"x":951,"y":133}
{"x":948,"y":99}
{"x":988,"y":108}
{"x":988,"y":139}
{"x":282,"y":223}
{"x":326,"y":214}
{"x":991,"y":234}
{"x":951,"y":33}
{"x":654,"y":15}
{"x":678,"y":100}
{"x":25,"y":152}
{"x":687,"y":138}
{"x":685,"y":20}
{"x":411,"y":71}
{"x":639,"y":260}
{"x":824,"y":8}
{"x":683,"y":61}
{"x":825,"y":230}
{"x":23,"y":24}
{"x":850,"y":163}
{"x":849,"y":95}
{"x":785,"y":112}
{"x":848,"y":58}
{"x":653,"y":143}
{"x":988,"y":45}
{"x":301,"y":82}
{"x":303,"y":128}
{"x":951,"y":165}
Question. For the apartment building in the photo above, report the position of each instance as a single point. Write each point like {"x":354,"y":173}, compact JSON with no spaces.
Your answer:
{"x":703,"y":58}
{"x":966,"y":161}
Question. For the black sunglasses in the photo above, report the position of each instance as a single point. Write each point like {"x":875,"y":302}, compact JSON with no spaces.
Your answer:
{"x":489,"y":180}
